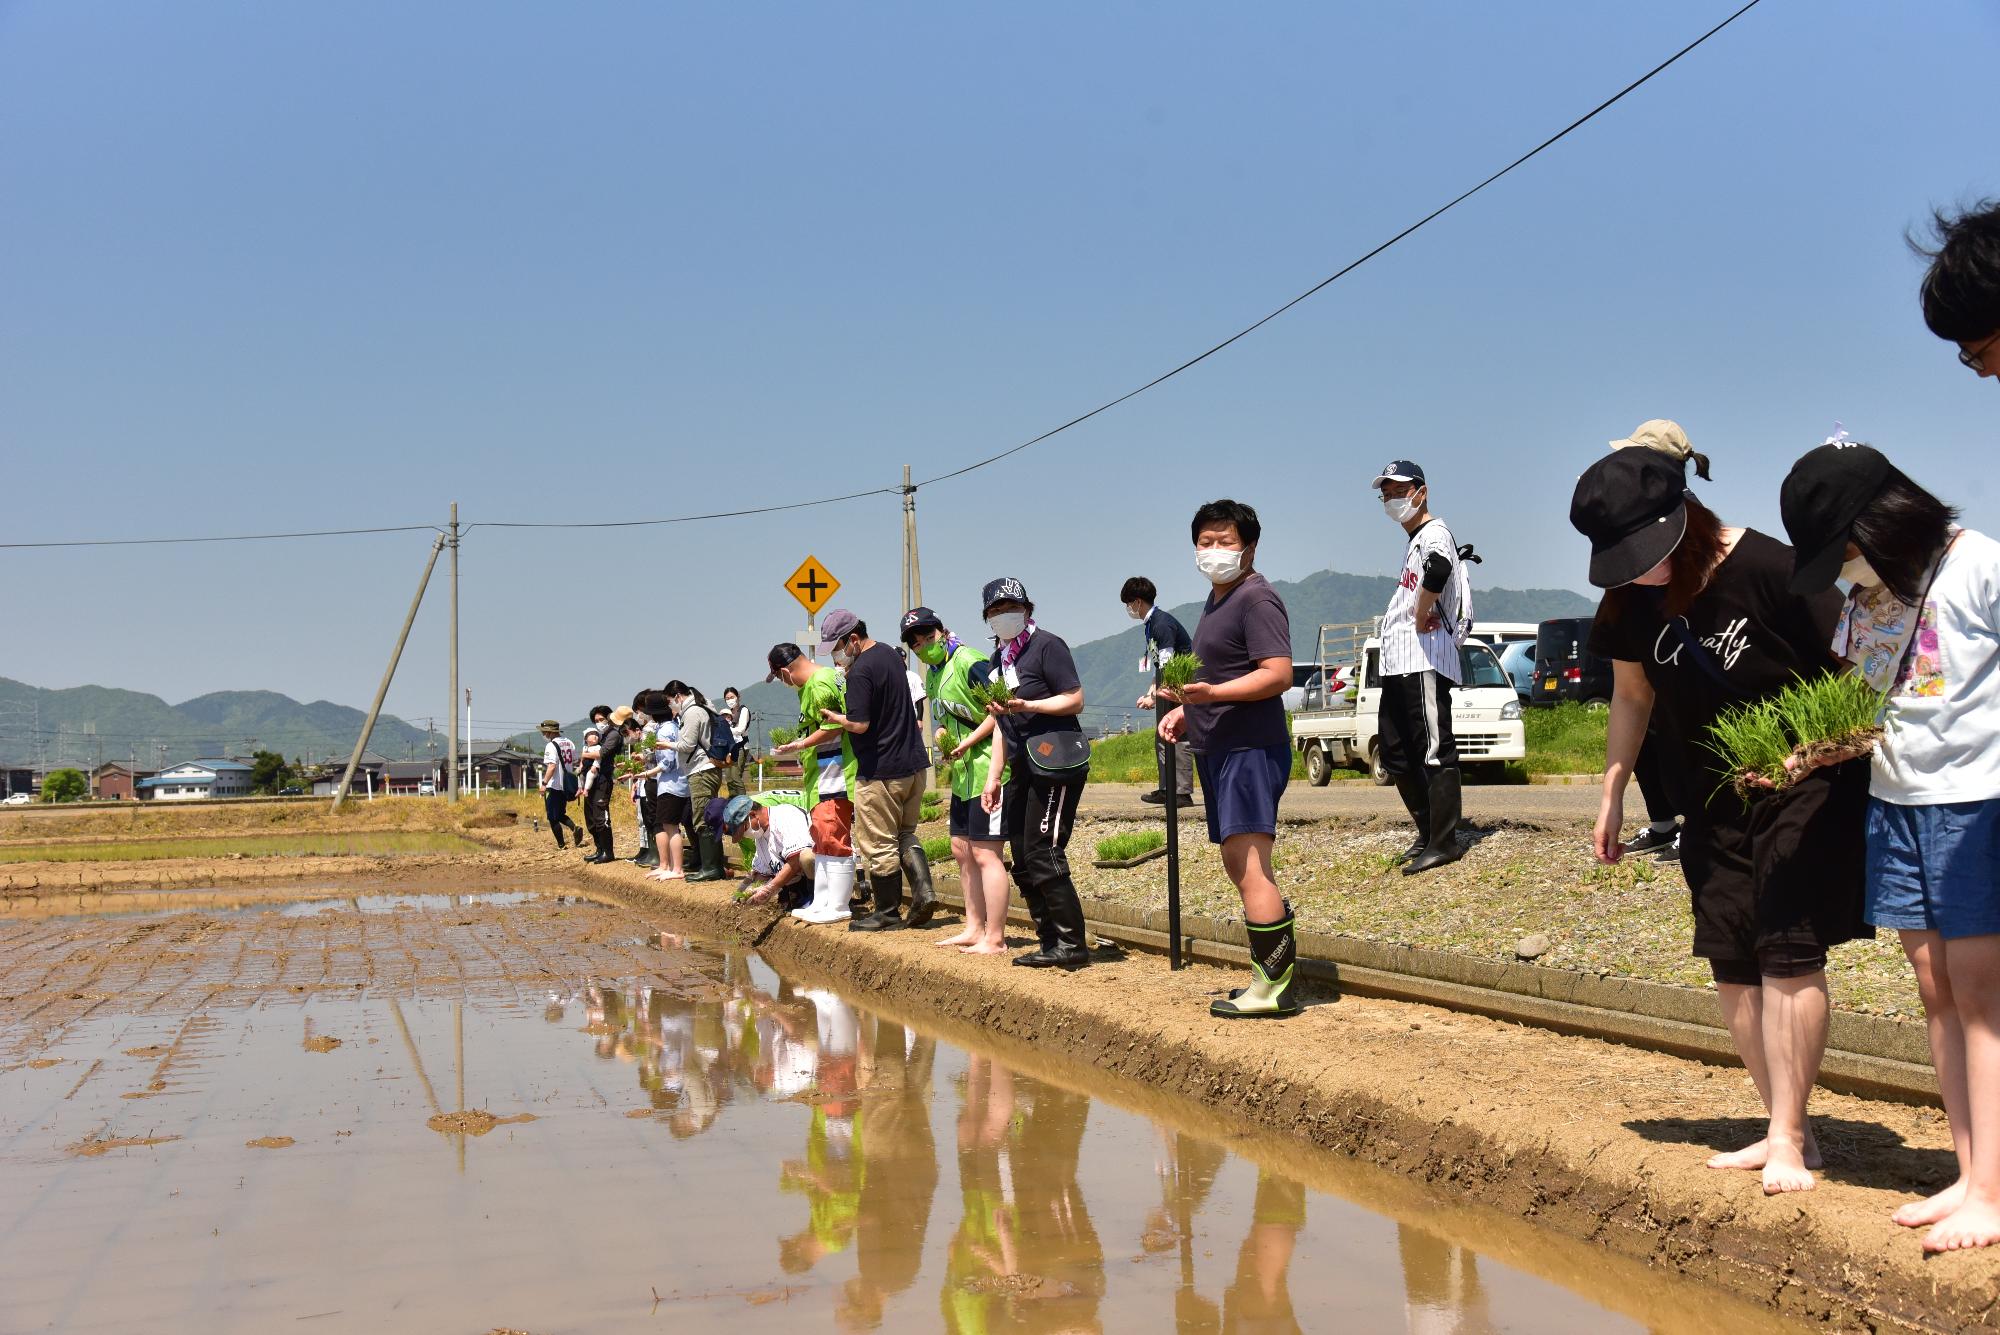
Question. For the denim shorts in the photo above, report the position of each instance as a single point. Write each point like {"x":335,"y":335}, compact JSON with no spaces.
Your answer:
{"x":1935,"y":868}
{"x":1242,"y":789}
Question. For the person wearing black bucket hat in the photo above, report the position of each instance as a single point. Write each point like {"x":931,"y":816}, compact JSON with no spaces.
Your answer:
{"x":1922,"y":624}
{"x":1042,"y":742}
{"x":1697,"y":617}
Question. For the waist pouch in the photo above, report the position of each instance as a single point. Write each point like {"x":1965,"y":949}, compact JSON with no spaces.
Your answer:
{"x":1058,"y":755}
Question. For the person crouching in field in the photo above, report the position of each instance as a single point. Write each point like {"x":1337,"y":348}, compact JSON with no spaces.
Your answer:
{"x":1233,"y":716}
{"x":1698,"y":618}
{"x":1920,"y":624}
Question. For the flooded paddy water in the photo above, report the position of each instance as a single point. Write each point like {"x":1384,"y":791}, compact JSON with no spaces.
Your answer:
{"x":464,"y":1112}
{"x":368,"y":843}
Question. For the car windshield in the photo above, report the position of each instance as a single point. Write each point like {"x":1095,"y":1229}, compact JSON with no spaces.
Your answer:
{"x":1478,"y":667}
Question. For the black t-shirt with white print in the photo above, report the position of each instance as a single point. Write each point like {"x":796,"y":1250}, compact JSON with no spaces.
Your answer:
{"x":1745,"y":636}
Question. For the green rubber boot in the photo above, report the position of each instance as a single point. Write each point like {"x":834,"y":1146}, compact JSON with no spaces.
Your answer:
{"x":1273,"y":991}
{"x":711,"y":858}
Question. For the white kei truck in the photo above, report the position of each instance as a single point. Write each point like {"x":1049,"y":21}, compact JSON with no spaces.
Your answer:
{"x":1336,"y":723}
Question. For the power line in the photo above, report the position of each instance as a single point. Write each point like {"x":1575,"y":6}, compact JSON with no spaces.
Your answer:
{"x":988,"y":461}
{"x":238,"y":537}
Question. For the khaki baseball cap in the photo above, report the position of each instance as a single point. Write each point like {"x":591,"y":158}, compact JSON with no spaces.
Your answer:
{"x":1658,"y":434}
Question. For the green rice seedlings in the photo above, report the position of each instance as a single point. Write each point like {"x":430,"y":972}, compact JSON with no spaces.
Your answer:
{"x":994,"y":692}
{"x":1832,"y":717}
{"x":1824,"y":719}
{"x":1179,"y":670}
{"x":1752,"y":741}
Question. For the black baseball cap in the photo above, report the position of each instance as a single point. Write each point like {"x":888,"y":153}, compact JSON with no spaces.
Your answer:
{"x":782,"y":655}
{"x":1400,"y":470}
{"x":1632,"y":505}
{"x":1825,"y":492}
{"x":919,"y":618}
{"x":1004,"y":590}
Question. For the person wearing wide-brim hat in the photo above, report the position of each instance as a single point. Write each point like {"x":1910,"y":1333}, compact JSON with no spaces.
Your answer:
{"x":1697,"y":617}
{"x":1922,"y":625}
{"x":1048,"y":759}
{"x":558,"y":781}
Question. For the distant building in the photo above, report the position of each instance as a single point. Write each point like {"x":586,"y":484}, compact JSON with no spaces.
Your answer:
{"x":501,"y":765}
{"x":406,"y":778}
{"x":370,"y":777}
{"x":197,"y":779}
{"x":117,"y":782}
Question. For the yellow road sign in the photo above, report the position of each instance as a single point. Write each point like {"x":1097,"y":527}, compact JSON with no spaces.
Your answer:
{"x":812,"y":585}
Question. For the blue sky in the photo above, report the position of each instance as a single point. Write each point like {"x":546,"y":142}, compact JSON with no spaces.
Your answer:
{"x":291,"y":267}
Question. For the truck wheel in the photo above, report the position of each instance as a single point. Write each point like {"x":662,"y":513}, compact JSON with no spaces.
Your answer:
{"x":1381,"y":776}
{"x":1597,"y":704}
{"x":1318,"y":768}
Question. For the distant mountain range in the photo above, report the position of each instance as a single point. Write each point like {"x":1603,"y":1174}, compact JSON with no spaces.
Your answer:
{"x":85,"y":725}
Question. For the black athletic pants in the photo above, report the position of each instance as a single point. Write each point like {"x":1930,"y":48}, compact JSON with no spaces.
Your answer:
{"x":597,"y":809}
{"x":1040,"y":813}
{"x":556,"y":806}
{"x":1413,"y":725}
{"x":1649,"y":771}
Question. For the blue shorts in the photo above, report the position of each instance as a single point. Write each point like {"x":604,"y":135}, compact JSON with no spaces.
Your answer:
{"x":1935,"y":868}
{"x":1242,"y":789}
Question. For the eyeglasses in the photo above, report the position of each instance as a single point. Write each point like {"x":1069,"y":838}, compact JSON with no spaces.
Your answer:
{"x":1975,"y":361}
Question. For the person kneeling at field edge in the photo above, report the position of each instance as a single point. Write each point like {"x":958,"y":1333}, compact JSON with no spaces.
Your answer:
{"x":782,"y":834}
{"x":1233,"y":716}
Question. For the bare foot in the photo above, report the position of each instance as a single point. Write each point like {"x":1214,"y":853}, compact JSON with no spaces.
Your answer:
{"x":1930,"y":1210}
{"x":1975,"y":1223}
{"x":1785,"y":1170}
{"x":663,"y":875}
{"x":1753,"y":1157}
{"x":965,"y":938}
{"x":983,"y":948}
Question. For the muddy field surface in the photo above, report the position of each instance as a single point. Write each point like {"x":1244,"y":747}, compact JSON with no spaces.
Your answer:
{"x":419,"y":1111}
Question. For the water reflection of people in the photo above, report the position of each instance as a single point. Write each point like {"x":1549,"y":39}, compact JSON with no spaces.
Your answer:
{"x":899,"y":1170}
{"x":1187,"y":1167}
{"x":1259,"y":1300}
{"x":1026,"y":1256}
{"x":831,"y":1175}
{"x":1442,"y":1291}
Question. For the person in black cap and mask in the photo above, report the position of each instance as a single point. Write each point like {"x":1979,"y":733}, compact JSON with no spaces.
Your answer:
{"x":1922,"y":625}
{"x":1697,"y":617}
{"x":1429,"y":613}
{"x":1050,"y":761}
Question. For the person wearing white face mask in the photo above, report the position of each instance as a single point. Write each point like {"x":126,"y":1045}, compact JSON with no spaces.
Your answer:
{"x":1049,"y":759}
{"x":1165,"y":637}
{"x":1232,"y":716}
{"x":704,"y":776}
{"x":1922,"y":624}
{"x":1429,"y":613}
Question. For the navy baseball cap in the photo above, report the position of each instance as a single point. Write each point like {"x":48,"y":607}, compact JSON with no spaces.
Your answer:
{"x":1400,"y":470}
{"x":919,"y":619}
{"x":1006,"y":590}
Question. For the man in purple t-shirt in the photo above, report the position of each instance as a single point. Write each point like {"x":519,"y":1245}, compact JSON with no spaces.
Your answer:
{"x":1233,"y":716}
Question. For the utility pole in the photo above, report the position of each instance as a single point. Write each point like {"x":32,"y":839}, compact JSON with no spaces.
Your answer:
{"x":913,"y":575}
{"x":388,"y":675}
{"x":451,"y":748}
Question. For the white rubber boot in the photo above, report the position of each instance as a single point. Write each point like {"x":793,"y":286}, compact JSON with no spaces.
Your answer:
{"x":833,"y":882}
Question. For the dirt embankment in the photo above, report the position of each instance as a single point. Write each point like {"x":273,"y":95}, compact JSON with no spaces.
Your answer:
{"x":1603,"y":1143}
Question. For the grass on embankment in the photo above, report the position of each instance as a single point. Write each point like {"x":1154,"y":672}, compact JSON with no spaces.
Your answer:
{"x":1563,"y":739}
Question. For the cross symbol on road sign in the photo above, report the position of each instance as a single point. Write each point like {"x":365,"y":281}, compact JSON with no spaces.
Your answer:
{"x":812,"y":584}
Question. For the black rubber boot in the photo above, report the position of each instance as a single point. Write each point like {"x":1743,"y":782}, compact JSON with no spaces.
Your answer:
{"x":1417,"y":800}
{"x":557,"y":830}
{"x":602,"y":840}
{"x":1273,"y":990}
{"x":1064,"y":944}
{"x":888,"y":914}
{"x":711,"y":858}
{"x":576,"y":832}
{"x":1443,"y":846}
{"x":917,"y":871}
{"x":647,"y":856}
{"x":862,"y":902}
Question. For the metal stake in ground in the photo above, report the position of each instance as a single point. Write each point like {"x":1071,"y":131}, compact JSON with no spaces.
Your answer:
{"x":1173,"y":855}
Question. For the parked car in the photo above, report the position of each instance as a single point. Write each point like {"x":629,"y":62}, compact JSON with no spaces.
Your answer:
{"x":1565,"y":669}
{"x":1338,"y":725}
{"x":1518,"y":661}
{"x":293,"y":791}
{"x":428,"y":788}
{"x":17,"y":800}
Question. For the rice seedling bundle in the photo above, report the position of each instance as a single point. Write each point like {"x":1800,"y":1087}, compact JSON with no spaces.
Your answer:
{"x":1768,"y":744}
{"x":1179,"y":670}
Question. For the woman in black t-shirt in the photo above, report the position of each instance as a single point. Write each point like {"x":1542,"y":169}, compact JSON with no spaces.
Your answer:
{"x":1697,"y":617}
{"x":1050,"y":762}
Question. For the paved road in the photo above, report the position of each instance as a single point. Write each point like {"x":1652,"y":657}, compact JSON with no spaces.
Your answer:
{"x":1546,"y":803}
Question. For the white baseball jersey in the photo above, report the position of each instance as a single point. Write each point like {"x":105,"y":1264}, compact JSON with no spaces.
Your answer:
{"x":1404,"y":649}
